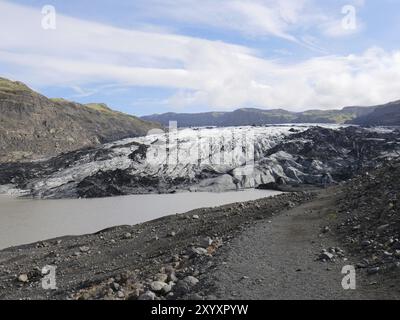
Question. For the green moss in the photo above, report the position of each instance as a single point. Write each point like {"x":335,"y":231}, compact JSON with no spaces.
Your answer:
{"x":59,"y":100}
{"x":9,"y":86}
{"x":332,"y":116}
{"x":99,"y":107}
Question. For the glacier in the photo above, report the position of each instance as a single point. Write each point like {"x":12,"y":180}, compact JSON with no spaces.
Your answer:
{"x":204,"y":159}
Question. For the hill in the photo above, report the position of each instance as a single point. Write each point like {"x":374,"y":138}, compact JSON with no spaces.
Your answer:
{"x":384,"y":115}
{"x":252,"y":116}
{"x":33,"y":126}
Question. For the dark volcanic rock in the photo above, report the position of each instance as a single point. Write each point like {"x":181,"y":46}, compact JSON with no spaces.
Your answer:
{"x":115,"y":183}
{"x":338,"y":154}
{"x":369,"y":217}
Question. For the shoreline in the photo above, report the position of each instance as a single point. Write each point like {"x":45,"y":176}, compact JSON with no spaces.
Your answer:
{"x":89,"y":261}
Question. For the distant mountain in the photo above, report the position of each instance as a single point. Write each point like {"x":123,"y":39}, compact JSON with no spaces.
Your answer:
{"x":33,"y":126}
{"x":252,"y":116}
{"x":384,"y":115}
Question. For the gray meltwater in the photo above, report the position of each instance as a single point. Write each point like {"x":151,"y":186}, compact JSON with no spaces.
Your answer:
{"x":24,"y":221}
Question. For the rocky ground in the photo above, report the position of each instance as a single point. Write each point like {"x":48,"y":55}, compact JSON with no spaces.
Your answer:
{"x":162,"y":259}
{"x":369,"y":220}
{"x":292,"y":246}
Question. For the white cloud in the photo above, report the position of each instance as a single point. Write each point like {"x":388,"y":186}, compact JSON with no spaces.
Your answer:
{"x":205,"y":73}
{"x":252,"y":18}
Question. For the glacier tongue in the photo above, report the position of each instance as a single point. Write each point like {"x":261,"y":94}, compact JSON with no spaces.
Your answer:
{"x":204,"y":159}
{"x":212,"y":159}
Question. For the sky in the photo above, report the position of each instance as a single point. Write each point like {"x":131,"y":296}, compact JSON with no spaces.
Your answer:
{"x":154,"y":56}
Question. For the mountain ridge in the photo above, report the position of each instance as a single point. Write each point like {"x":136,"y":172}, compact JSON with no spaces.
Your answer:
{"x":255,"y":116}
{"x":33,"y":126}
{"x":384,"y":115}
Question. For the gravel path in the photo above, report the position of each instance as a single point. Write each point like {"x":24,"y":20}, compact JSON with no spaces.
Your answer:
{"x":277,"y":260}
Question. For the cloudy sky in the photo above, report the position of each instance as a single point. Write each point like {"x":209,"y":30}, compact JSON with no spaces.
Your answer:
{"x":147,"y":56}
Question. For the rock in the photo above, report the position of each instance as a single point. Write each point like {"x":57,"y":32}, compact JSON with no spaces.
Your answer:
{"x":148,"y":295}
{"x":182,"y":287}
{"x":172,"y":234}
{"x":120,"y":294}
{"x":206,"y":242}
{"x":382,"y":227}
{"x":372,"y":271}
{"x":127,"y":235}
{"x":134,"y":295}
{"x":196,"y":217}
{"x":366,"y":243}
{"x":162,"y":277}
{"x":291,"y":204}
{"x":84,"y":249}
{"x":396,"y":245}
{"x":199,"y":251}
{"x":326,"y":256}
{"x":167,"y":269}
{"x":167,"y":289}
{"x":195,"y":297}
{"x":175,"y":258}
{"x":326,"y":229}
{"x":172,"y":277}
{"x":115,"y":286}
{"x":191,"y":281}
{"x":387,"y":254}
{"x":331,"y":250}
{"x":23,"y":278}
{"x":157,"y":286}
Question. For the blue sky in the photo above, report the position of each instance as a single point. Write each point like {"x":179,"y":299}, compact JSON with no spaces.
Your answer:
{"x":149,"y":56}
